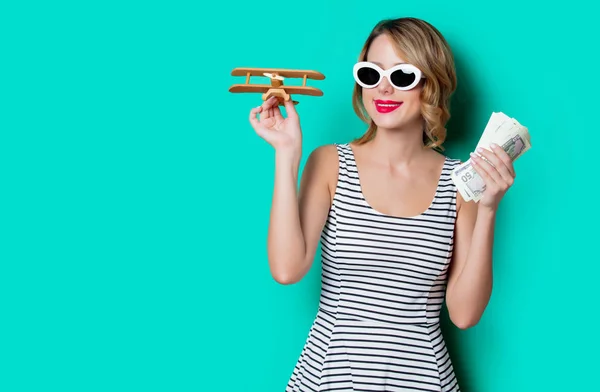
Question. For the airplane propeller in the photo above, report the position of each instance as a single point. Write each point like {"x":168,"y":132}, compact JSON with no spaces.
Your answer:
{"x":272,"y":76}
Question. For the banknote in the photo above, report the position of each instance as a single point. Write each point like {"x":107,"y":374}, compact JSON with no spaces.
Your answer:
{"x":510,"y":135}
{"x":498,"y":125}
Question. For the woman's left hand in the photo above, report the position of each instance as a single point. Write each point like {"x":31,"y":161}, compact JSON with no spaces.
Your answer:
{"x":497,"y":173}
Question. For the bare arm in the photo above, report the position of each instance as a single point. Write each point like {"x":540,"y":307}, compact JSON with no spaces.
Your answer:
{"x":297,"y":218}
{"x":470,"y":281}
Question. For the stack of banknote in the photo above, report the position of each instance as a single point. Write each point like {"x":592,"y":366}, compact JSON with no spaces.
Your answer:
{"x":507,"y":133}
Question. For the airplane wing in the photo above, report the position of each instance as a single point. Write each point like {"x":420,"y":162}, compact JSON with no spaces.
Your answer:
{"x":249,"y":88}
{"x":303,"y":90}
{"x":288,"y":73}
{"x":263,"y":88}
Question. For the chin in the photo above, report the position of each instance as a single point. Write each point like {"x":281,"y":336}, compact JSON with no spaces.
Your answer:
{"x":392,"y":122}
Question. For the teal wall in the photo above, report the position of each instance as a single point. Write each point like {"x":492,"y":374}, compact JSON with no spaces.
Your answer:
{"x":135,"y":195}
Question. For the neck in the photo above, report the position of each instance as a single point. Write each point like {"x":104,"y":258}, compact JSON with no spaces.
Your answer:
{"x":398,"y":146}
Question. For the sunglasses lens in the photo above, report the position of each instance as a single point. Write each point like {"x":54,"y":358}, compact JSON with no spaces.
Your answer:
{"x":403,"y":78}
{"x":368,"y":76}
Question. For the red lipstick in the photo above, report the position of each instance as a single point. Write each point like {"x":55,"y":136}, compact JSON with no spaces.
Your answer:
{"x":385,"y":106}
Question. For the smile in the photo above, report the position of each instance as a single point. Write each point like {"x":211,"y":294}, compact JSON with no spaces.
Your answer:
{"x":386,"y":106}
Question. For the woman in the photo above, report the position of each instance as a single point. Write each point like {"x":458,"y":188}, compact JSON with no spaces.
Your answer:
{"x":397,"y":238}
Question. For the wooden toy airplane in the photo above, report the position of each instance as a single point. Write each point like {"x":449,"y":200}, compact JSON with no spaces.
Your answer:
{"x":276,"y":88}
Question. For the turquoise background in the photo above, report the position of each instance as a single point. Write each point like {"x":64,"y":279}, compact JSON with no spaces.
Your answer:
{"x":136,"y":196}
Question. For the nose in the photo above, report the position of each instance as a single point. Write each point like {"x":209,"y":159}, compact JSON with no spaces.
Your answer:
{"x":385,"y":87}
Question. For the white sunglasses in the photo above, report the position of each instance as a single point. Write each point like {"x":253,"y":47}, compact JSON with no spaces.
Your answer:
{"x":401,"y":76}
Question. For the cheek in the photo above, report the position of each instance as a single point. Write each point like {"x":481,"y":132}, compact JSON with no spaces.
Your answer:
{"x":412,"y":97}
{"x":368,"y":95}
{"x":412,"y":104}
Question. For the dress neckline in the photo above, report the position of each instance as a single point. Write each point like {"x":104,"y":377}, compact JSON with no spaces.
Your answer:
{"x":369,"y":206}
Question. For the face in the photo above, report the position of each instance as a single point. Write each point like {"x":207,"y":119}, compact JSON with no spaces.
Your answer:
{"x":388,"y":106}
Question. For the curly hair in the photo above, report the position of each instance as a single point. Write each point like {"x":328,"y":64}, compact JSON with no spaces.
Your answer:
{"x":423,"y":46}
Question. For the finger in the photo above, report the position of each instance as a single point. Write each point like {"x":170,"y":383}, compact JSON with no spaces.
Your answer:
{"x":277,"y":113}
{"x":253,"y":113}
{"x":503,"y":155}
{"x":266,"y":111}
{"x":260,"y":127}
{"x":497,"y":163}
{"x":490,"y":171}
{"x":290,"y":109}
{"x":269,"y":103}
{"x":487,"y":180}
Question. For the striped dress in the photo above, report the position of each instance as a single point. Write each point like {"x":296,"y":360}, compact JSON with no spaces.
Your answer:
{"x":383,"y":284}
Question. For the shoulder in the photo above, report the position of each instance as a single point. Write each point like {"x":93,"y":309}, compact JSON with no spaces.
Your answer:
{"x":323,"y":163}
{"x":452,"y":162}
{"x":325,"y":158}
{"x":325,"y":153}
{"x":446,"y":163}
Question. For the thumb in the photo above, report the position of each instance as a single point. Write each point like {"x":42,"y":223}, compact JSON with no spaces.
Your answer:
{"x":290,"y":108}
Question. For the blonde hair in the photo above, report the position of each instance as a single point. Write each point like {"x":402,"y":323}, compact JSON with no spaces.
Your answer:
{"x":423,"y":46}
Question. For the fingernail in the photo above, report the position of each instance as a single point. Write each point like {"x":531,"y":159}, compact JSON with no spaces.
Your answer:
{"x":494,"y":145}
{"x":479,"y":149}
{"x":473,"y":155}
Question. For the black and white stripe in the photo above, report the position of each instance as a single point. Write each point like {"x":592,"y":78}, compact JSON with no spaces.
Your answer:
{"x":383,"y":286}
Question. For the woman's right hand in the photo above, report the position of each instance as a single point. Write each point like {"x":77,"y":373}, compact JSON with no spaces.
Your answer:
{"x":284,"y":134}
